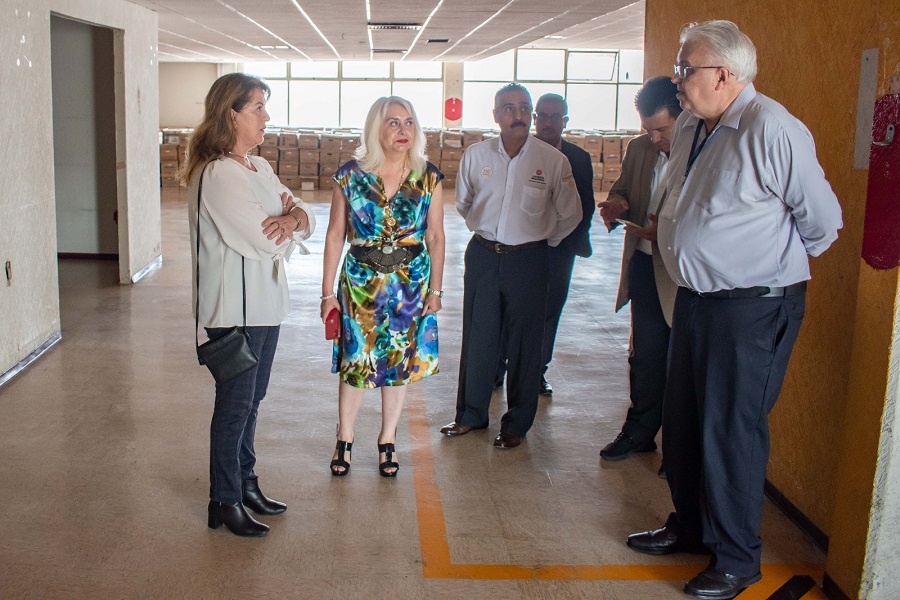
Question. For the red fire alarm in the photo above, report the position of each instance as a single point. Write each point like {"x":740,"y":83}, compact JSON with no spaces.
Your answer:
{"x":453,"y":109}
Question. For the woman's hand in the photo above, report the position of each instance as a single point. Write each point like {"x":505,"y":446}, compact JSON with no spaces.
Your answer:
{"x":281,"y":228}
{"x":287,"y":203}
{"x":432,"y":304}
{"x":327,"y":305}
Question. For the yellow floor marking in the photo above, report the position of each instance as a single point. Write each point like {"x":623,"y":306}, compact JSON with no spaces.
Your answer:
{"x":436,"y":552}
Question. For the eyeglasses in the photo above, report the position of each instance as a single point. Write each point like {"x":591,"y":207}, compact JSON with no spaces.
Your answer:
{"x":545,"y":117}
{"x":682,"y":72}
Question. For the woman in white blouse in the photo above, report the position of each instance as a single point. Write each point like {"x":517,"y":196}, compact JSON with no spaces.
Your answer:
{"x":249,"y":225}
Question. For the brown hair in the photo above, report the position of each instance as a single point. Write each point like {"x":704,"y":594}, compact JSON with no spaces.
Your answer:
{"x":215,"y":135}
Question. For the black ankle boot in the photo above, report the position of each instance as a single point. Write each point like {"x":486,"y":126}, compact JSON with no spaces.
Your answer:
{"x":236,"y":519}
{"x":256,"y":501}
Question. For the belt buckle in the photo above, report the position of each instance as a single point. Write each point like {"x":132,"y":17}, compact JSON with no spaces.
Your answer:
{"x":498,"y":248}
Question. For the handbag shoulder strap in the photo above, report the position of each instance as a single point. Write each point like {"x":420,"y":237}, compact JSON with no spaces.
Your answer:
{"x":197,"y":298}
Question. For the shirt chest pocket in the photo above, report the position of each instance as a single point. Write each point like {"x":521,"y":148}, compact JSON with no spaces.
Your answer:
{"x":533,"y":200}
{"x":718,"y":191}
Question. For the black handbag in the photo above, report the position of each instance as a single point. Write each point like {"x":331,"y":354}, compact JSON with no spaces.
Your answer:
{"x":229,"y":355}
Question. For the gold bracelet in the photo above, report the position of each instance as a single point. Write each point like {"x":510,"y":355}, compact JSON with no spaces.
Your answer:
{"x":326,"y":297}
{"x":299,"y":224}
{"x":438,"y":293}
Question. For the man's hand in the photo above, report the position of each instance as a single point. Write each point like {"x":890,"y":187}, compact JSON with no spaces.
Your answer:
{"x":646,"y":233}
{"x":610,"y":210}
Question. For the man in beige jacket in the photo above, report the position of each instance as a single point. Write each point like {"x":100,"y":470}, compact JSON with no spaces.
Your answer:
{"x":636,"y":197}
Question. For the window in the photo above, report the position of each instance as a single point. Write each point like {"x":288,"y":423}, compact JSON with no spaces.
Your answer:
{"x":427,"y":98}
{"x":631,"y":66}
{"x":628,"y":114}
{"x":591,"y":66}
{"x":418,"y":70}
{"x":592,"y":106}
{"x":314,"y":103}
{"x":365,"y":70}
{"x":541,"y":65}
{"x":495,"y":68}
{"x":323,"y":69}
{"x":357,"y":97}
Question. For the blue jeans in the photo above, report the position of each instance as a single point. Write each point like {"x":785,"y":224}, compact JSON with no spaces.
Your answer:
{"x":233,"y":427}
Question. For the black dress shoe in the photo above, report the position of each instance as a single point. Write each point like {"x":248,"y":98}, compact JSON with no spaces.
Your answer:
{"x":664,"y":540}
{"x":454,"y":429}
{"x":624,"y":446}
{"x":255,"y":500}
{"x":546,"y":389}
{"x":236,"y":518}
{"x":506,"y":440}
{"x":712,"y":585}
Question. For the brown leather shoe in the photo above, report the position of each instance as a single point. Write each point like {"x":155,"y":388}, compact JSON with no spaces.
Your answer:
{"x":506,"y":440}
{"x":454,"y":429}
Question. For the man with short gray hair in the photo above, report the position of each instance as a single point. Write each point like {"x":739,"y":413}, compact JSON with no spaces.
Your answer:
{"x":746,"y":203}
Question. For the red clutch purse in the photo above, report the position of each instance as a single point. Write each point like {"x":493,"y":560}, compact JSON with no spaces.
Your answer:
{"x":333,"y":324}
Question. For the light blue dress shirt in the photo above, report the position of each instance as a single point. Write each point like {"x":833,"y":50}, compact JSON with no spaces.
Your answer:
{"x":755,"y":203}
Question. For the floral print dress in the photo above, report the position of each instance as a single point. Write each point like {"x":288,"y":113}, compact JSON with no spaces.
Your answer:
{"x":384,"y":338}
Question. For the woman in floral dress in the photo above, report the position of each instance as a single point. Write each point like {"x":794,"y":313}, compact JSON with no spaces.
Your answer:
{"x":388,"y":204}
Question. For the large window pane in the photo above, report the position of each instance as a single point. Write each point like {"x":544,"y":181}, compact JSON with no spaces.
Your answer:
{"x":277,"y":106}
{"x":326,"y":68}
{"x":628,"y":115}
{"x":357,"y":97}
{"x":427,"y":97}
{"x":418,"y":70}
{"x":539,"y":89}
{"x":494,"y":68}
{"x":541,"y":65}
{"x":592,"y":106}
{"x":591,"y":66}
{"x":478,"y":105}
{"x":366,"y":70}
{"x":266,"y":69}
{"x":631,"y":66}
{"x":315,"y":103}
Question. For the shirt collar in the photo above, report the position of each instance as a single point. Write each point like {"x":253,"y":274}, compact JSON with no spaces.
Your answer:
{"x":732,"y":115}
{"x":525,"y":146}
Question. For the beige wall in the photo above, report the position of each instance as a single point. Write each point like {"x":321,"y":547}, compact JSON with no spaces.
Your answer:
{"x":29,"y":307}
{"x":182,"y":90}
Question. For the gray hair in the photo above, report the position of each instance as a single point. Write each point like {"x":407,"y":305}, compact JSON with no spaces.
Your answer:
{"x":727,"y":44}
{"x":370,"y":155}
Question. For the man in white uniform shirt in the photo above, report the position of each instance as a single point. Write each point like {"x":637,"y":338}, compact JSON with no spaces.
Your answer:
{"x":747,"y":202}
{"x":518,"y":197}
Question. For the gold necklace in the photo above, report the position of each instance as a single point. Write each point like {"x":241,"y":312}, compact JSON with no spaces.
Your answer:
{"x":247,"y":162}
{"x":389,"y":219}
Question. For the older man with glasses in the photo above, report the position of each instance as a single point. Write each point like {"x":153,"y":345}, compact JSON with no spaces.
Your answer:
{"x":550,"y":118}
{"x":747,"y":202}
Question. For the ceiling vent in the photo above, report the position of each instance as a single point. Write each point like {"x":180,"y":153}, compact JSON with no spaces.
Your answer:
{"x":395,"y":26}
{"x":387,"y":51}
{"x":437,"y":40}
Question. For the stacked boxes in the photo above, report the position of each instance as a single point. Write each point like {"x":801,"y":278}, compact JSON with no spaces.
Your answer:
{"x":329,"y":158}
{"x":451,"y":153}
{"x":612,"y":161}
{"x":168,"y":164}
{"x":308,"y":146}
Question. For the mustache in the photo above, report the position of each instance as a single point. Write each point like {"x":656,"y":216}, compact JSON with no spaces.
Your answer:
{"x":519,"y":124}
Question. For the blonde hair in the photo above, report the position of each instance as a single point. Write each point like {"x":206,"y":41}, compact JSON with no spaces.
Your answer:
{"x":216,"y":135}
{"x":370,"y":154}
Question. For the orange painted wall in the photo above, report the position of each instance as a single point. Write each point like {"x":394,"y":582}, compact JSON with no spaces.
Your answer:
{"x":809,"y":56}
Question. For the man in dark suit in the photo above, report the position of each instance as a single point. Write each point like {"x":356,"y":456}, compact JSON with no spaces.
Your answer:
{"x":636,"y":197}
{"x":550,"y":117}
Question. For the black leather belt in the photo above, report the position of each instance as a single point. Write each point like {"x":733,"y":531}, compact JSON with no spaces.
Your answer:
{"x":507,"y":248}
{"x":759,"y":291}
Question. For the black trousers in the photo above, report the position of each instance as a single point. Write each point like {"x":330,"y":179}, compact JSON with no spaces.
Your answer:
{"x":727,"y":360}
{"x":648,"y":351}
{"x":503,"y":294}
{"x":559,"y":277}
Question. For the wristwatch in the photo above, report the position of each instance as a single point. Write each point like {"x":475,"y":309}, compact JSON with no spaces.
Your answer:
{"x":438,"y":293}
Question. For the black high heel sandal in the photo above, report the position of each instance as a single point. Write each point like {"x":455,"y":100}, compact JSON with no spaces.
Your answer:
{"x":341,"y":448}
{"x":388,"y":450}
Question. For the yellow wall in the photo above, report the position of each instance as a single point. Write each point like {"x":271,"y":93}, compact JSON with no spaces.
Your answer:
{"x":809,"y":57}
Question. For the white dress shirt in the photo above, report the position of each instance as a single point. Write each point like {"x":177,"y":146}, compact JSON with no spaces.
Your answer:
{"x":755,"y":203}
{"x":528,"y":198}
{"x":657,"y":187}
{"x":235,"y":202}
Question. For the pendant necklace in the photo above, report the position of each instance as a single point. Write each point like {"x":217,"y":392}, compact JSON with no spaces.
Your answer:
{"x":389,"y":219}
{"x":247,"y":162}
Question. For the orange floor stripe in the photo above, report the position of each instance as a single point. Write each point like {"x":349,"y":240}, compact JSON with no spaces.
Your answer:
{"x":436,"y":561}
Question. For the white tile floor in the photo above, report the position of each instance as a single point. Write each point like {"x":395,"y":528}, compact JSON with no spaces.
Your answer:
{"x":104,"y":443}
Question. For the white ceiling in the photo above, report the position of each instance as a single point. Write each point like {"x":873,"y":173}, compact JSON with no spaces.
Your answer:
{"x":295,"y":30}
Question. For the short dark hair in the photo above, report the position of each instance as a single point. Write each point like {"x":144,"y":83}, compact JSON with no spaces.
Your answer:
{"x":656,"y":94}
{"x":510,"y":87}
{"x":554,"y":98}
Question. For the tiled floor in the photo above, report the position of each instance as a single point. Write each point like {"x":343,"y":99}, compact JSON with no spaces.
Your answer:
{"x":104,"y":443}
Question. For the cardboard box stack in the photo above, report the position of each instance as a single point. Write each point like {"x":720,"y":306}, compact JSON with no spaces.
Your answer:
{"x":329,"y":158}
{"x":612,"y":161}
{"x":168,"y":163}
{"x":451,"y":153}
